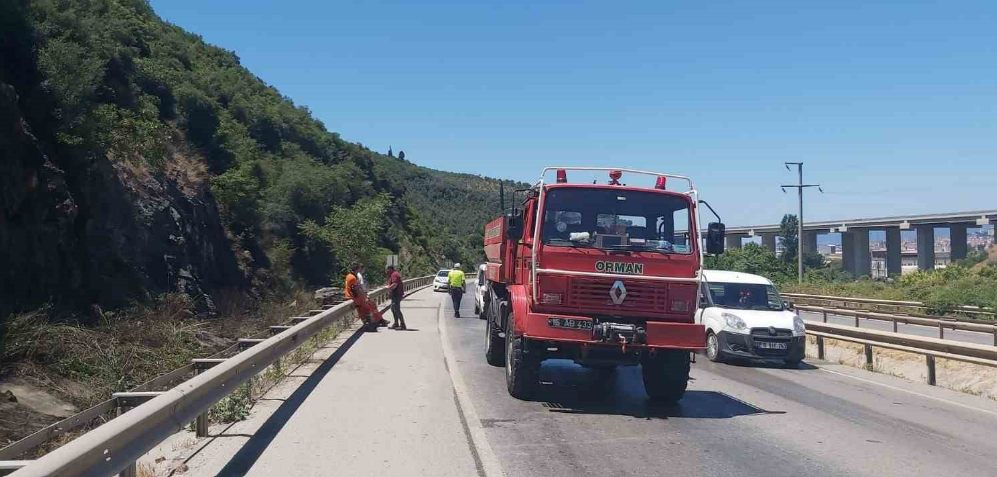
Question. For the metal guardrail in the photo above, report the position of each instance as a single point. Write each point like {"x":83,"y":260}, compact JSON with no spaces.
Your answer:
{"x":931,"y":348}
{"x":118,"y":444}
{"x":941,"y":323}
{"x":894,"y":305}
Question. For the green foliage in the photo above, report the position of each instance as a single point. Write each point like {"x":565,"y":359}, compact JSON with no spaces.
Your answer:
{"x":942,"y":290}
{"x":755,"y":259}
{"x":352,"y":234}
{"x":789,"y":231}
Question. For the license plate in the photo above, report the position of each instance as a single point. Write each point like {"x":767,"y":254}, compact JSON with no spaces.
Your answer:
{"x":770,"y":345}
{"x":569,"y":323}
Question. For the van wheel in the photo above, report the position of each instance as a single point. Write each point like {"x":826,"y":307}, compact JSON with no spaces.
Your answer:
{"x":522,"y":374}
{"x":477,"y":310}
{"x":713,"y":348}
{"x":494,"y":344}
{"x":666,"y":375}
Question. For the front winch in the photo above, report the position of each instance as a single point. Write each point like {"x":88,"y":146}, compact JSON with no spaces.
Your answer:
{"x":618,"y":333}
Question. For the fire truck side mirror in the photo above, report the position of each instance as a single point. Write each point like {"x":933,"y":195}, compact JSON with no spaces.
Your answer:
{"x":715,"y":238}
{"x":514,"y":227}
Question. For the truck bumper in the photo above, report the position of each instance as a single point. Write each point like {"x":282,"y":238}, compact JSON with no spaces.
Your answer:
{"x":664,"y":335}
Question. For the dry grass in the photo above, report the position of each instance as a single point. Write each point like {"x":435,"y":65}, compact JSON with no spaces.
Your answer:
{"x":85,"y":365}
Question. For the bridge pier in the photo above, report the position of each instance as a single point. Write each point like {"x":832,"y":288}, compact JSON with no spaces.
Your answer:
{"x":855,"y":256}
{"x":894,"y":264}
{"x":734,"y":240}
{"x":957,"y":235}
{"x":810,"y":242}
{"x":768,"y":241}
{"x":926,"y":247}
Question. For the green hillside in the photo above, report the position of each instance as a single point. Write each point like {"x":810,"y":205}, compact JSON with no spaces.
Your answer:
{"x":177,"y":168}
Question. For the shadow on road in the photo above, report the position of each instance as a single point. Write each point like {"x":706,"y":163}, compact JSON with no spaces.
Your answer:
{"x":749,"y":363}
{"x":571,"y":389}
{"x":243,"y":460}
{"x":695,"y":405}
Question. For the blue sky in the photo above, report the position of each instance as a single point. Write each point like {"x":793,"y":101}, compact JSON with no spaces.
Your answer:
{"x":891,"y":105}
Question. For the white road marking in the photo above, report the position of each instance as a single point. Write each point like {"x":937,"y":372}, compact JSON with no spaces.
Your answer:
{"x":946,"y":401}
{"x":489,"y":463}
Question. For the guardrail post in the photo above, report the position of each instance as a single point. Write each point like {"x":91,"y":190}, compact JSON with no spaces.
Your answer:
{"x":941,"y":331}
{"x":132,"y":469}
{"x":825,"y":321}
{"x":201,"y":424}
{"x":820,"y":348}
{"x":868,"y":357}
{"x":995,"y":336}
{"x":856,"y":320}
{"x":894,"y":324}
{"x":930,"y":361}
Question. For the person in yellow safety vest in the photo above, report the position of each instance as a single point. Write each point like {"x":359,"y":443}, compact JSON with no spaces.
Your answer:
{"x":457,"y":284}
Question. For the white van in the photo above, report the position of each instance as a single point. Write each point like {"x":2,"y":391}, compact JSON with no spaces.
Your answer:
{"x":745,"y":317}
{"x":480,"y":289}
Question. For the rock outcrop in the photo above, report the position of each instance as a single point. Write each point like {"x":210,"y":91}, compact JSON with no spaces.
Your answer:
{"x":99,"y":232}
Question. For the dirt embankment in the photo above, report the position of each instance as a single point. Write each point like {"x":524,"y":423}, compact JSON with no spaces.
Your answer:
{"x":956,"y":375}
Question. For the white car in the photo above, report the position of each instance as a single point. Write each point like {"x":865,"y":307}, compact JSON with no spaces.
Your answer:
{"x":745,"y":317}
{"x":480,"y":290}
{"x":441,"y":283}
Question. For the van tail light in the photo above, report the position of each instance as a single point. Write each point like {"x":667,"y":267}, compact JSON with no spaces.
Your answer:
{"x":551,"y":289}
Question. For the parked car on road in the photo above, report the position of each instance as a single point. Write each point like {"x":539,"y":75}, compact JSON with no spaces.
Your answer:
{"x":745,"y":317}
{"x":440,"y":283}
{"x":480,"y":291}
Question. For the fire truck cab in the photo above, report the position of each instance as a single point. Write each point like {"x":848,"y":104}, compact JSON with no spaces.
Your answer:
{"x":602,"y":274}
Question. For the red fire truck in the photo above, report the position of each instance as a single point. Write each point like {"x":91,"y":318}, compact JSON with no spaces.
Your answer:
{"x":603,"y":274}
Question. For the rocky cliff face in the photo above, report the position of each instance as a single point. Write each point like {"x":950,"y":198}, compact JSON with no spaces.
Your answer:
{"x":101,"y":232}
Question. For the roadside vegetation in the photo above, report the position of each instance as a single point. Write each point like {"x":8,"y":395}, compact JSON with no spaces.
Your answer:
{"x":83,"y":365}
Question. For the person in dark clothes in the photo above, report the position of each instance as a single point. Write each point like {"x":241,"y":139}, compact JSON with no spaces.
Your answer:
{"x":397,"y":293}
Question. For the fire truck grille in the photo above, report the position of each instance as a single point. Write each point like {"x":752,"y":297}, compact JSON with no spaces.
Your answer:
{"x":640,"y":296}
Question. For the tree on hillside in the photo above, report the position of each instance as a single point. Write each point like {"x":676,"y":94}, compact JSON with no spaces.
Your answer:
{"x":352,"y":233}
{"x":789,"y":232}
{"x":390,"y":153}
{"x":401,"y":155}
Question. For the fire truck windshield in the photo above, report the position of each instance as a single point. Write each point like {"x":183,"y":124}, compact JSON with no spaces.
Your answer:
{"x":616,"y":219}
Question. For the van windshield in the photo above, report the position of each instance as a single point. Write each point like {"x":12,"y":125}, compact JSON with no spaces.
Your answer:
{"x":745,"y":296}
{"x":621,"y":219}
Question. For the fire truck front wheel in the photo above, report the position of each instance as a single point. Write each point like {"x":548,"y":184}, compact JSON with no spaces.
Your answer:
{"x":666,"y":375}
{"x":522,"y":373}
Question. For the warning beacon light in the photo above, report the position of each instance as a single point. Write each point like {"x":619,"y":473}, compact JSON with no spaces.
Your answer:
{"x":614,"y":177}
{"x":660,"y":183}
{"x":562,"y":176}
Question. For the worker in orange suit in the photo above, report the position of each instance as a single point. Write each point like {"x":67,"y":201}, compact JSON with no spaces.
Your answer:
{"x":366,"y":308}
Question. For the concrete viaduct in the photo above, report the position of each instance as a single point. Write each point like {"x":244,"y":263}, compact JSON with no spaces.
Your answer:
{"x":856,"y":257}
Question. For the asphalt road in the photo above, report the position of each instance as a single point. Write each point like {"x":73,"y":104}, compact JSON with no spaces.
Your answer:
{"x":919,"y":330}
{"x":750,"y":419}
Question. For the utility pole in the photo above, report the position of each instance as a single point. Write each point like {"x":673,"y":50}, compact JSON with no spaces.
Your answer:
{"x":799,"y":218}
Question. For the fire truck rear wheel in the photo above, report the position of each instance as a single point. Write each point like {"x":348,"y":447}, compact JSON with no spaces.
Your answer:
{"x":522,"y":374}
{"x":666,"y":375}
{"x":494,"y":344}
